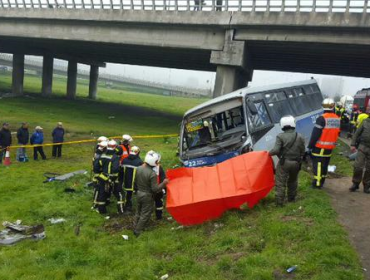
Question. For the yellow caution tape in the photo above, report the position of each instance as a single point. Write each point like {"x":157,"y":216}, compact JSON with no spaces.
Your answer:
{"x":93,"y":140}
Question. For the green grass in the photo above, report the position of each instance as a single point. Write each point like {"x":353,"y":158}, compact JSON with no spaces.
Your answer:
{"x":259,"y":243}
{"x":119,"y":95}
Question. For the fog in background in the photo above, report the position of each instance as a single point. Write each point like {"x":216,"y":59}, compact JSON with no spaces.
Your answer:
{"x":330,"y":85}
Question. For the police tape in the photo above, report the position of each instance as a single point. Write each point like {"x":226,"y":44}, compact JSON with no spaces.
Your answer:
{"x":91,"y":140}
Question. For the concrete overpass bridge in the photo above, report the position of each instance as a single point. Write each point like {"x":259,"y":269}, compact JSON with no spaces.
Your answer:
{"x":232,"y":38}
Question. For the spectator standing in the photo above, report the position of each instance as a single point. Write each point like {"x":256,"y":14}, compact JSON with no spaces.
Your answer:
{"x":5,"y":140}
{"x":23,"y":137}
{"x":37,"y":138}
{"x":58,"y":137}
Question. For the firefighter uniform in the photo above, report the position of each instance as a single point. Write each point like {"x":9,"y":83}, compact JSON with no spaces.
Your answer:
{"x":125,"y":151}
{"x":323,"y":140}
{"x":129,"y":166}
{"x":353,"y":122}
{"x":106,"y":168}
{"x":361,"y":140}
{"x":290,"y":149}
{"x":158,"y":197}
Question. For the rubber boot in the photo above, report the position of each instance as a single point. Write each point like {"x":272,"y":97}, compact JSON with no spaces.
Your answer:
{"x":354,"y":187}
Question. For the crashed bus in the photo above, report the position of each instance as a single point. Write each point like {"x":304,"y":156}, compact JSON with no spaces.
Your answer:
{"x":245,"y":120}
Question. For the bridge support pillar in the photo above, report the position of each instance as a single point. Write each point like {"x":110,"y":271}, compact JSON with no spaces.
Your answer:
{"x":18,"y":74}
{"x":234,"y":68}
{"x":93,"y":85}
{"x":71,"y":79}
{"x":47,"y":76}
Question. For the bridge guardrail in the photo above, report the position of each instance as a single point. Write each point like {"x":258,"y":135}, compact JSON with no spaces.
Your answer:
{"x":328,"y":6}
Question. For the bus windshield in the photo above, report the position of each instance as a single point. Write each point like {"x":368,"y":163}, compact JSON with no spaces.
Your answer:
{"x":214,"y":129}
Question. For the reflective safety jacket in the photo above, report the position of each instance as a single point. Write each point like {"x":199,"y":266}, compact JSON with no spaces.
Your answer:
{"x":106,"y":167}
{"x":330,"y":132}
{"x":125,"y":152}
{"x":361,"y":118}
{"x":354,"y":117}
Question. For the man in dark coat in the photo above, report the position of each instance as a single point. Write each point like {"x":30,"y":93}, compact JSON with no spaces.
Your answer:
{"x":5,"y":140}
{"x":58,"y":137}
{"x":23,"y":137}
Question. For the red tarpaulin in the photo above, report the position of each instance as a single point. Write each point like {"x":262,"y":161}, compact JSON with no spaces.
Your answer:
{"x":195,"y":195}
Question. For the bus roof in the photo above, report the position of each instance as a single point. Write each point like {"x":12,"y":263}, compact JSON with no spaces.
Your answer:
{"x":248,"y":90}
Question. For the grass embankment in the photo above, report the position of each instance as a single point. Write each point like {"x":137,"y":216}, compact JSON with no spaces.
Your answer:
{"x":251,"y":244}
{"x":119,"y":95}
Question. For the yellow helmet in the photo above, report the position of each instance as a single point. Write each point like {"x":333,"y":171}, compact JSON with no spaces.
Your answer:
{"x":328,"y":104}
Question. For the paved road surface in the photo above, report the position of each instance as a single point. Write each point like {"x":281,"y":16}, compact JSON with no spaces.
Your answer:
{"x":354,"y":214}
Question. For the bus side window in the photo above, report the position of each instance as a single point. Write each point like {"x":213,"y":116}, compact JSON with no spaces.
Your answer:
{"x":262,"y":119}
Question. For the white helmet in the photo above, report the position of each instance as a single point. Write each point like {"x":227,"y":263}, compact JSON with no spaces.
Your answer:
{"x":287,"y":121}
{"x":152,"y":158}
{"x":135,"y":150}
{"x":328,"y":104}
{"x":112,"y":144}
{"x":126,"y":137}
{"x":102,"y":138}
{"x":103,"y":144}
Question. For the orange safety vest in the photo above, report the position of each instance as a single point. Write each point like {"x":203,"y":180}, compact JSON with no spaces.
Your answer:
{"x":330,"y":133}
{"x":125,"y":152}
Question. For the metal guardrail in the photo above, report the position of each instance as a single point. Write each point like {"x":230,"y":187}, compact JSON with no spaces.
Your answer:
{"x":325,"y":6}
{"x":116,"y":78}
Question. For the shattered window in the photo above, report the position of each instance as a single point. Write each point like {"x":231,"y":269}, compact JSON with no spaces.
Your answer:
{"x":262,"y":118}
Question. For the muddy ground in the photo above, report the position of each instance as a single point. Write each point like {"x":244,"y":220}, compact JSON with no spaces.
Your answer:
{"x":354,"y":214}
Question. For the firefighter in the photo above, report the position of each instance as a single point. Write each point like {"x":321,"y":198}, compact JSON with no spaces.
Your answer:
{"x":106,"y":167}
{"x":323,"y":140}
{"x":147,"y":186}
{"x":158,"y":197}
{"x":115,"y":186}
{"x":129,"y":166}
{"x":100,"y":150}
{"x":361,"y":118}
{"x":353,"y":120}
{"x":361,"y":142}
{"x":125,"y":145}
{"x":290,"y":149}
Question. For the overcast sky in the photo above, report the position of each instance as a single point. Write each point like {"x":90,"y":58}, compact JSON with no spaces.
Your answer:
{"x":330,"y":85}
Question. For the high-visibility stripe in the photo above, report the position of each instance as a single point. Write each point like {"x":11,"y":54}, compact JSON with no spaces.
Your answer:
{"x":318,"y":180}
{"x":133,"y":179}
{"x":128,"y":166}
{"x":326,"y":143}
{"x":320,"y":155}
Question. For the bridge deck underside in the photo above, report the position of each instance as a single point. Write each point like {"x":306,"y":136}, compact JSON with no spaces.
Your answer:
{"x":336,"y":59}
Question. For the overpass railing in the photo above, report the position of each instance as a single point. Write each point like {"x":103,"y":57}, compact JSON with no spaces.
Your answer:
{"x":325,"y":6}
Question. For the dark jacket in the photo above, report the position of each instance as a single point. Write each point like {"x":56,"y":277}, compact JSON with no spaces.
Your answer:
{"x":289,"y":144}
{"x":146,"y":180}
{"x":362,"y":135}
{"x":23,"y":136}
{"x":37,"y":138}
{"x":129,"y":171}
{"x":5,"y":137}
{"x":58,"y":135}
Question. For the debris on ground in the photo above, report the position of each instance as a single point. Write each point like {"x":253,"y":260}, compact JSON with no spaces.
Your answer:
{"x":16,"y":232}
{"x":332,"y":168}
{"x":291,"y":269}
{"x":164,"y":277}
{"x":177,"y":228}
{"x":125,"y":237}
{"x":58,"y":177}
{"x":111,"y":117}
{"x":56,"y":220}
